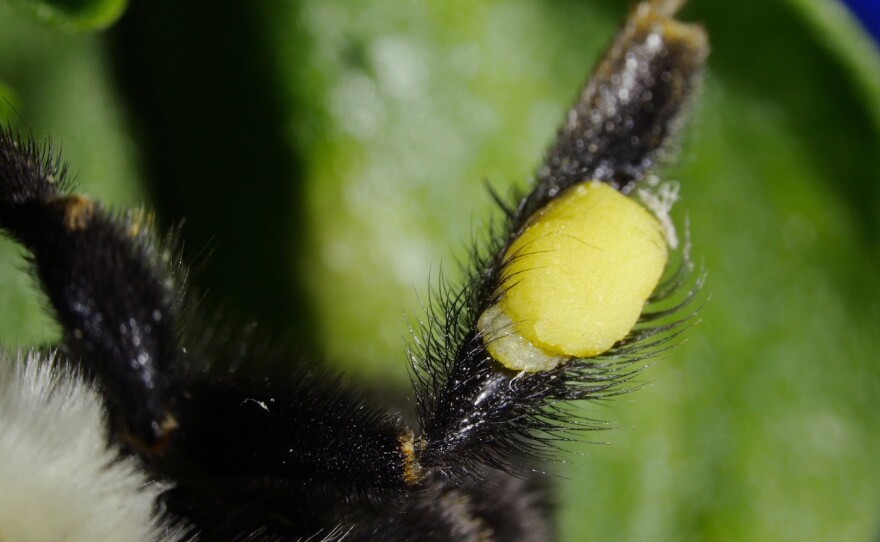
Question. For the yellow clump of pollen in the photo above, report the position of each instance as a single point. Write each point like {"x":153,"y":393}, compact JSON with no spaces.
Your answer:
{"x":575,"y":280}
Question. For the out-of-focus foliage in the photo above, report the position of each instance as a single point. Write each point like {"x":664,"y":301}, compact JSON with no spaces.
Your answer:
{"x":61,"y":85}
{"x":74,"y":14}
{"x":762,"y":426}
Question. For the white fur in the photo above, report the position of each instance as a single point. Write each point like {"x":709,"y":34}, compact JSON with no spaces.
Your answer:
{"x":58,"y":479}
{"x":659,"y":197}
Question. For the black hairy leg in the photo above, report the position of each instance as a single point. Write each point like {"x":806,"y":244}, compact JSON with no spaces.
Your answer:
{"x":479,"y":413}
{"x":249,"y":447}
{"x":105,"y":279}
{"x":565,"y":301}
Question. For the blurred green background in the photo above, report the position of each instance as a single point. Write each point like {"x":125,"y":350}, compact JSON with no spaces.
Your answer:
{"x":329,"y":159}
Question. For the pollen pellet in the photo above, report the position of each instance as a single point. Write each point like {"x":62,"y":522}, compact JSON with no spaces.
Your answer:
{"x":575,"y":280}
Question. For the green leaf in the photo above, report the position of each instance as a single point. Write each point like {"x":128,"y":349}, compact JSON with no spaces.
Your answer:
{"x":74,"y":14}
{"x":63,"y":91}
{"x":835,"y":26}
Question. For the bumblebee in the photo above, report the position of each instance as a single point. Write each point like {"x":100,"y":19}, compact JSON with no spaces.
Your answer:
{"x":152,"y":422}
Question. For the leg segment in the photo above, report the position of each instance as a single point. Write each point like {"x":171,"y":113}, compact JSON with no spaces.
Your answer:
{"x":104,"y":278}
{"x":631,"y":107}
{"x":473,"y":410}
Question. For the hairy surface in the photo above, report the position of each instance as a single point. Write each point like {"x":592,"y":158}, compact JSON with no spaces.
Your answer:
{"x":473,"y":410}
{"x":252,"y":442}
{"x":60,"y":479}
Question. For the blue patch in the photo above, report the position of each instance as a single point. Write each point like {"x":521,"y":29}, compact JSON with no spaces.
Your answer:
{"x":868,"y":12}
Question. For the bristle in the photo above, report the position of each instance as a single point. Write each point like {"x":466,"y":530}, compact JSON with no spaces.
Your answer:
{"x":31,"y":170}
{"x":104,"y":277}
{"x":474,"y":412}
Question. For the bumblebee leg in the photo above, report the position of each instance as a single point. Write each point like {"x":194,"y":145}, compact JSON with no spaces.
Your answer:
{"x":104,"y":278}
{"x":552,"y":312}
{"x":632,"y":105}
{"x":289,"y":452}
